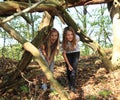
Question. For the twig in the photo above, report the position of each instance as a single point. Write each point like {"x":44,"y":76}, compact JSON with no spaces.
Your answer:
{"x":22,"y":74}
{"x":22,"y":12}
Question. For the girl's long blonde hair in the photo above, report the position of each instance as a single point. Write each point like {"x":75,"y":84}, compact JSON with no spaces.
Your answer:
{"x":65,"y":41}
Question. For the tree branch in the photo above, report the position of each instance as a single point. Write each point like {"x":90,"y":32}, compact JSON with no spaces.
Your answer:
{"x":11,"y":6}
{"x":21,"y":12}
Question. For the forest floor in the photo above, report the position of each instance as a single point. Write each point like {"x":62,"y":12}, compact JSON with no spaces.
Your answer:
{"x":93,"y":82}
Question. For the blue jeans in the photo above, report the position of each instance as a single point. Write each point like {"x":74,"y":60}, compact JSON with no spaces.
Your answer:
{"x":73,"y":59}
{"x":51,"y":66}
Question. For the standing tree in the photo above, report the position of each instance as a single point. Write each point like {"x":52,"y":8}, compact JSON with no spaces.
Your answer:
{"x":115,"y":16}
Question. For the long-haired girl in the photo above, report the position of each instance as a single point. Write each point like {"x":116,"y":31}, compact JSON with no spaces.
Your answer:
{"x":49,"y":49}
{"x":71,"y":54}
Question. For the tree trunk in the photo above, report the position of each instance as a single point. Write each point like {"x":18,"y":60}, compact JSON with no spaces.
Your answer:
{"x":12,"y":7}
{"x":115,"y":15}
{"x":86,"y":48}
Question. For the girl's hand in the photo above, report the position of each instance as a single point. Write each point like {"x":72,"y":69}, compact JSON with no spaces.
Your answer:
{"x":48,"y":61}
{"x":70,"y":68}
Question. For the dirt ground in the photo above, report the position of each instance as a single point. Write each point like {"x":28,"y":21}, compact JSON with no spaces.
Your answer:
{"x":93,"y":82}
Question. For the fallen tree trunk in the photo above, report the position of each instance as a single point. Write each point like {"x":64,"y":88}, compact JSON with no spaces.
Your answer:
{"x":12,"y":7}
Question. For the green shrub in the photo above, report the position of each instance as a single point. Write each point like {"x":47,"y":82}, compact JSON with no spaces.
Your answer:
{"x":105,"y":93}
{"x":24,"y":89}
{"x":91,"y":97}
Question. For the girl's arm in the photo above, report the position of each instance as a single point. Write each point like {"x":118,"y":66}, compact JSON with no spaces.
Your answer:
{"x":66,"y":60}
{"x":44,"y":52}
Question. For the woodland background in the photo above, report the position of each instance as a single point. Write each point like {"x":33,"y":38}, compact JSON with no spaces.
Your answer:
{"x":94,"y":19}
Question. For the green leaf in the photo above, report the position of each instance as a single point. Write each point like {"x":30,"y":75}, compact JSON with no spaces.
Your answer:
{"x":24,"y":88}
{"x":105,"y":93}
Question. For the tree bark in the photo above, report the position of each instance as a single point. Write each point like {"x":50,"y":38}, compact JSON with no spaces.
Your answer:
{"x":11,"y":6}
{"x":115,"y":15}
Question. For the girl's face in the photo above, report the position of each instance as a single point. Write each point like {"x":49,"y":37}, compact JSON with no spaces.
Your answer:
{"x":53,"y":37}
{"x":69,"y":36}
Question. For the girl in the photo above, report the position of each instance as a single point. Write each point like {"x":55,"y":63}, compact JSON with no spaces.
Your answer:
{"x":71,"y":54}
{"x":49,"y":49}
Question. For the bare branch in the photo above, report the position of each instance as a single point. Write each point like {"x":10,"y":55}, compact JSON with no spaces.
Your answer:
{"x":10,"y":6}
{"x":22,"y":12}
{"x":22,"y":74}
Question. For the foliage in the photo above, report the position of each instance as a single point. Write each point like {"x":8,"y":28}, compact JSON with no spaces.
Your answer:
{"x":13,"y":51}
{"x":91,"y":97}
{"x":102,"y":26}
{"x":59,"y":57}
{"x":26,"y":30}
{"x":24,"y":88}
{"x":10,"y":48}
{"x":105,"y":93}
{"x":1,"y":98}
{"x":95,"y":22}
